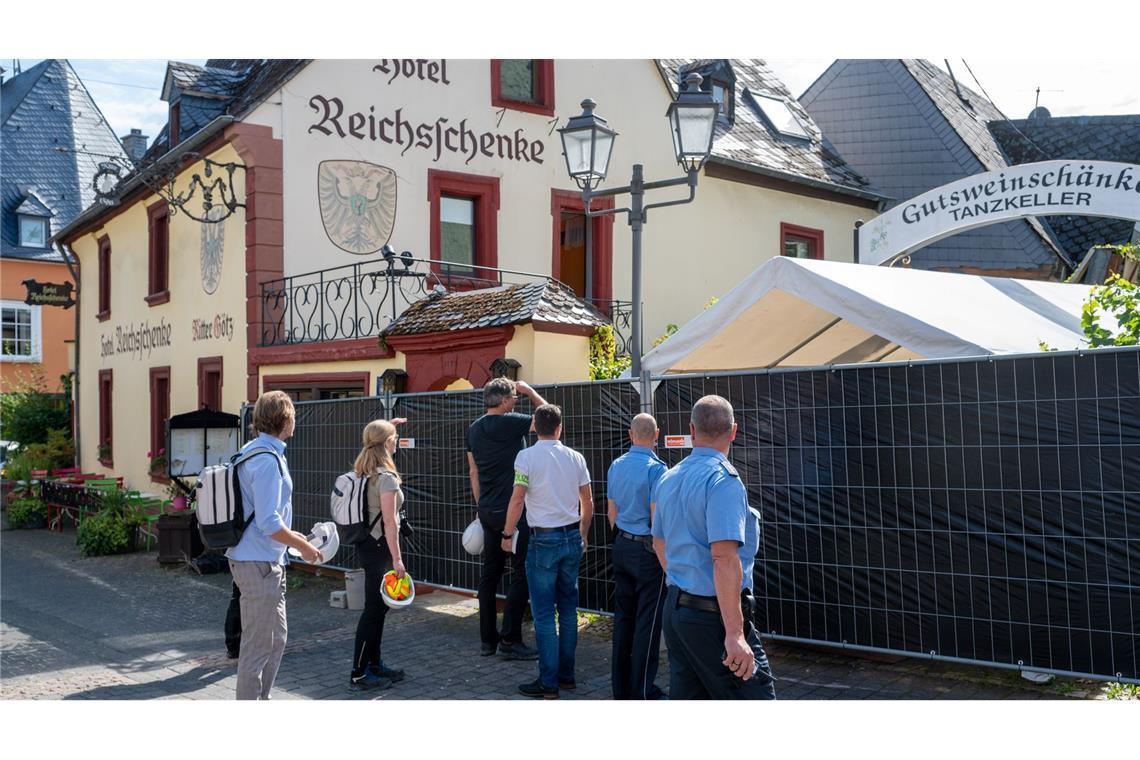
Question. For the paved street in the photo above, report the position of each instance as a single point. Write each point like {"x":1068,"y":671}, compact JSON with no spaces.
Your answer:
{"x":127,"y":628}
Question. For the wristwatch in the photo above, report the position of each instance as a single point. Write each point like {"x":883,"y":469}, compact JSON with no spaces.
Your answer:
{"x":508,"y":535}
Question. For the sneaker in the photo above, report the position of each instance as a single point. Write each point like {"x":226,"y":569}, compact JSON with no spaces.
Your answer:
{"x":567,"y":683}
{"x":369,"y":681}
{"x":516,"y":650}
{"x":536,"y":689}
{"x":486,"y":650}
{"x":384,"y":671}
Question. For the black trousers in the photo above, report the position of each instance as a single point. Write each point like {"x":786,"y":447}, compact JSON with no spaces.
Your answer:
{"x":639,"y":599}
{"x":696,"y":649}
{"x":375,"y":560}
{"x":233,"y":621}
{"x":494,"y":563}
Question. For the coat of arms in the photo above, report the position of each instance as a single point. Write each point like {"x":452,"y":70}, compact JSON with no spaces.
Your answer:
{"x":213,"y":236}
{"x":358,"y":204}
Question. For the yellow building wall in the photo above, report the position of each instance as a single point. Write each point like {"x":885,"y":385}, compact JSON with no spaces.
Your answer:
{"x":548,"y":357}
{"x":181,"y":346}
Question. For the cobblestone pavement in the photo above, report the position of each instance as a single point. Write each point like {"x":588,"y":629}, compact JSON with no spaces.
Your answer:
{"x":127,"y":628}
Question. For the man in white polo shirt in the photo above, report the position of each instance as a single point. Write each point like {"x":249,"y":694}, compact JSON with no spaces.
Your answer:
{"x":553,"y":481}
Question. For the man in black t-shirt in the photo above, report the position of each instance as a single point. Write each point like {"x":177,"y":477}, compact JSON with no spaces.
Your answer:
{"x":493,"y":442}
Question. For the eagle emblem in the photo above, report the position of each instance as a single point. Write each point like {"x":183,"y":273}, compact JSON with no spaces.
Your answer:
{"x":213,"y":236}
{"x":358,"y":204}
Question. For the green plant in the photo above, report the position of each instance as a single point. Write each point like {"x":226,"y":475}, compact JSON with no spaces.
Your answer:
{"x":1122,"y":691}
{"x":19,"y":471}
{"x":21,"y":512}
{"x":104,"y":450}
{"x":1119,"y":300}
{"x":28,"y":412}
{"x":157,"y":461}
{"x":57,"y":451}
{"x":102,"y":533}
{"x":669,"y":330}
{"x":603,"y":364}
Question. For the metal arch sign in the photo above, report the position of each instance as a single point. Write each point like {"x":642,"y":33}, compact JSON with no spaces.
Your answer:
{"x":1078,"y":188}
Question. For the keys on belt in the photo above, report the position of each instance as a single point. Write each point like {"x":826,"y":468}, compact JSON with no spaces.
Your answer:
{"x":647,"y":540}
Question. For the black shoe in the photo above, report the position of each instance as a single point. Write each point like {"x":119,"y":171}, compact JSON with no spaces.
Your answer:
{"x":232,"y":654}
{"x":486,"y":650}
{"x":536,"y":689}
{"x":516,"y":650}
{"x":384,"y":671}
{"x":369,"y":681}
{"x":567,"y":683}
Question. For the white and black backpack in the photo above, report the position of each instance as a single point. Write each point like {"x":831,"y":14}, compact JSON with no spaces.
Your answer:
{"x":349,"y":507}
{"x":221,"y":520}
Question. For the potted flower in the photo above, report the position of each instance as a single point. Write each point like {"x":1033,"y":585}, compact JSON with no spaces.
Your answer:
{"x":114,"y":529}
{"x":157,"y":462}
{"x":105,"y":451}
{"x":178,"y":499}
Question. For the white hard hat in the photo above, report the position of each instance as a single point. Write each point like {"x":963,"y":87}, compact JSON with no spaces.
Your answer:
{"x":398,"y":603}
{"x":473,"y":538}
{"x":325,"y":538}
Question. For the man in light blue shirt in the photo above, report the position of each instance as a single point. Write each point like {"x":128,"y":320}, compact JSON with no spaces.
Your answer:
{"x":639,"y":585}
{"x":257,"y":563}
{"x":706,"y":537}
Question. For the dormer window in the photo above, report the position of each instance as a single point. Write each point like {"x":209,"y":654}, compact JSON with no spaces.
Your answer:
{"x":175,"y":124}
{"x":33,"y":231}
{"x":780,"y":116}
{"x":722,"y":94}
{"x":719,"y":80}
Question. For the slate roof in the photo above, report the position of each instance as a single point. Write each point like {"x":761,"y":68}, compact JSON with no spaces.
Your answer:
{"x":970,"y":117}
{"x":904,"y":126}
{"x":547,"y":301}
{"x":44,"y":108}
{"x":240,"y":84}
{"x":750,"y":140}
{"x":1104,"y":138}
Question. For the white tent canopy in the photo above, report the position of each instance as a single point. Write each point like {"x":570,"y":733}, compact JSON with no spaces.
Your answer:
{"x":804,"y":313}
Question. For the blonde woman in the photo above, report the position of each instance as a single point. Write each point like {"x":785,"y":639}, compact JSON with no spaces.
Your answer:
{"x":379,"y":554}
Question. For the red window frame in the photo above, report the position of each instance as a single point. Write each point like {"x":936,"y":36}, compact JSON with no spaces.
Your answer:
{"x":174,"y":132}
{"x":158,"y":253}
{"x":316,"y":381}
{"x":544,"y":88}
{"x":159,"y":412}
{"x":601,"y":236}
{"x":209,"y":366}
{"x":808,"y":233}
{"x":106,"y":410}
{"x":485,"y":192}
{"x":104,"y":312}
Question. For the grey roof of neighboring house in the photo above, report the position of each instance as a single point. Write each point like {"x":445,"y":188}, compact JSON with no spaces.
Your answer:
{"x":903,"y":125}
{"x":221,"y":82}
{"x":547,"y":301}
{"x":1102,"y":138}
{"x":45,"y":108}
{"x":749,"y":139}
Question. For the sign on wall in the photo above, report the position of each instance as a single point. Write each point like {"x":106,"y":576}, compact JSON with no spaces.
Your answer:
{"x":1078,"y":188}
{"x":48,"y":294}
{"x":213,"y":238}
{"x":358,"y":204}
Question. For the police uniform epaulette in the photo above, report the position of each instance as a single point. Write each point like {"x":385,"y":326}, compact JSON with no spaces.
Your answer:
{"x":727,"y":467}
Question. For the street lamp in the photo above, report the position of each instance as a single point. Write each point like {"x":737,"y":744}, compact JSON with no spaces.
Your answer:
{"x":587,"y":143}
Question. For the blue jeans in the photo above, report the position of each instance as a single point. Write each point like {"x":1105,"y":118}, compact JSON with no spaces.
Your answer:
{"x":552,"y":561}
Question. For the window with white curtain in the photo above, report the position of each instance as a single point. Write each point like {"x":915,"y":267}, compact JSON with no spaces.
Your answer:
{"x":20,"y":330}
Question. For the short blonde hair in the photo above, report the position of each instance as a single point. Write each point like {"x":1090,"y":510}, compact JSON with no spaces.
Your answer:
{"x":272,"y":412}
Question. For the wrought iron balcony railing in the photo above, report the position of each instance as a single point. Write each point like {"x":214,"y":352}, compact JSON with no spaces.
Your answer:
{"x":360,"y":300}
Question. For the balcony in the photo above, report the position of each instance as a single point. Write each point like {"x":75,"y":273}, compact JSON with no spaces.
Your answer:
{"x":360,"y":300}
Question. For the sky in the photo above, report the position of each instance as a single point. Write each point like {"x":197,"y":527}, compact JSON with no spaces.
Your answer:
{"x":128,"y":90}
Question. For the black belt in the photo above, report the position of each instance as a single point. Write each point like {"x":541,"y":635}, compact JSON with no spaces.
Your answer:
{"x":647,"y":540}
{"x":692,"y":601}
{"x":709,"y":603}
{"x":554,"y":530}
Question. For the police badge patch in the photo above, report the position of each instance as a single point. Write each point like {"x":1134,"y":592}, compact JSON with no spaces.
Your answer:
{"x":358,"y":204}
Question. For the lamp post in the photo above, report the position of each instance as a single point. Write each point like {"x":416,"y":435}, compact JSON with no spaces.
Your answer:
{"x":587,"y":143}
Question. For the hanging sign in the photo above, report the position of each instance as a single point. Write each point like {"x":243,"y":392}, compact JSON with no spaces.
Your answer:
{"x":1077,"y":188}
{"x":48,"y":294}
{"x":678,"y":442}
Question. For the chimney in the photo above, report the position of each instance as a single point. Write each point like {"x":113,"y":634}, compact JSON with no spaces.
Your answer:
{"x":135,"y":145}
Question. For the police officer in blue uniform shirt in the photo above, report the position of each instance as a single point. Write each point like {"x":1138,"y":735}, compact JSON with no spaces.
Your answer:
{"x":639,"y":584}
{"x":706,"y":537}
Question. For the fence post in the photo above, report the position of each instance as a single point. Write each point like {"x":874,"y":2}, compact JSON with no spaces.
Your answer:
{"x":645,"y":389}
